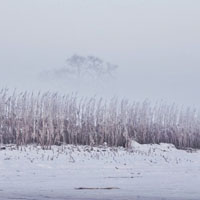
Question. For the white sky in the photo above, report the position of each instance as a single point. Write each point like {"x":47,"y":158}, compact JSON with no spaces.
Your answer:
{"x":156,"y":44}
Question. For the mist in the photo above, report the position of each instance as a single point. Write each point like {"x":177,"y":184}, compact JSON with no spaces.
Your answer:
{"x":154,"y":43}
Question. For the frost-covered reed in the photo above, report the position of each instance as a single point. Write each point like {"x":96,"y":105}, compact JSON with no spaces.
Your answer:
{"x":52,"y":119}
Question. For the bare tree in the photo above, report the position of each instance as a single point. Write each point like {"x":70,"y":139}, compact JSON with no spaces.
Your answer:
{"x":76,"y":65}
{"x":90,"y":66}
{"x":98,"y":67}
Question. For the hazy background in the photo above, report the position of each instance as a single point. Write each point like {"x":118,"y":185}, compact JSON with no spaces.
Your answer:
{"x":155,"y":43}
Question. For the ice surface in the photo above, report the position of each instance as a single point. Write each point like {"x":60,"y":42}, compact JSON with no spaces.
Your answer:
{"x":145,"y":172}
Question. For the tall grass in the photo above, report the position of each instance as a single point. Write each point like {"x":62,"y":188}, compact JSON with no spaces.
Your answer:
{"x":52,"y":119}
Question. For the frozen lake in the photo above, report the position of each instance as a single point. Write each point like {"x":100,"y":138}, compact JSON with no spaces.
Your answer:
{"x":44,"y":197}
{"x":146,"y":172}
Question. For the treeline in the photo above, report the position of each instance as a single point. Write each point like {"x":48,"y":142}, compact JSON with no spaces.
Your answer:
{"x":52,"y":119}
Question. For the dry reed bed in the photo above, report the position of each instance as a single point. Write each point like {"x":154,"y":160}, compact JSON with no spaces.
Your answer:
{"x":52,"y":119}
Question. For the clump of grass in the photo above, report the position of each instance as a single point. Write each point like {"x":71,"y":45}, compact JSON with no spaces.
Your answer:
{"x":52,"y":119}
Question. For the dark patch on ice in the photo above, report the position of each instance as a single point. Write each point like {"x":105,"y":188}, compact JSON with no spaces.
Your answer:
{"x":119,"y":177}
{"x":97,"y":188}
{"x":45,"y":196}
{"x":19,"y":198}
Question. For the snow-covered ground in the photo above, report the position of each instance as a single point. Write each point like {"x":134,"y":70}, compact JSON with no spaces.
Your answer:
{"x":147,"y":172}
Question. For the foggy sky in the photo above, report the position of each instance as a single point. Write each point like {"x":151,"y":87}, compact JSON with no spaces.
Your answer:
{"x":155,"y":43}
